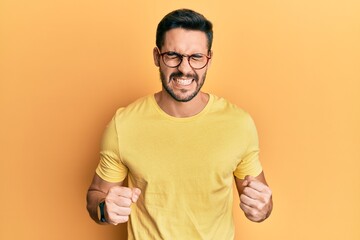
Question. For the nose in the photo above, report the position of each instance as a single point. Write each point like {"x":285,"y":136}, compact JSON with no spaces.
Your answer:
{"x":184,"y":66}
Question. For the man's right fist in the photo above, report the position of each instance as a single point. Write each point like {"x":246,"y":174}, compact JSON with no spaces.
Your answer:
{"x":118,"y":202}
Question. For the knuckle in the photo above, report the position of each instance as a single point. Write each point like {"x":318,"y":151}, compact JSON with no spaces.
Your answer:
{"x":267,"y":198}
{"x":267,"y":191}
{"x":242,"y":197}
{"x":125,"y":211}
{"x":261,"y":206}
{"x":125,"y":202}
{"x":242,"y":206}
{"x":252,"y":213}
{"x":112,"y":190}
{"x":126,"y":191}
{"x":246,"y":190}
{"x":262,"y":200}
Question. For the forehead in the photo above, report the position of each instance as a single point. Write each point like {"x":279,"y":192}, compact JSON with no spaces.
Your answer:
{"x":185,"y":41}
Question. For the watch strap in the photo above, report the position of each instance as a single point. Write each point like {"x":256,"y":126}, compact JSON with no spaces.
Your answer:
{"x":102,"y":212}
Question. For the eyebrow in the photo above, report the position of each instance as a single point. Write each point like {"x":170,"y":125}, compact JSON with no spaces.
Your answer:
{"x":193,"y":54}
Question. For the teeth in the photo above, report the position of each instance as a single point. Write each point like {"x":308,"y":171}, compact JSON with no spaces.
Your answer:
{"x":184,"y":82}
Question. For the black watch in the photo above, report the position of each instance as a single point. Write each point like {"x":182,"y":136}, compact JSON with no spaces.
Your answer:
{"x":101,"y":213}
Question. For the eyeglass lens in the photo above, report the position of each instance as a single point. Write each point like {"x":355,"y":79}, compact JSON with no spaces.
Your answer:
{"x":196,"y":61}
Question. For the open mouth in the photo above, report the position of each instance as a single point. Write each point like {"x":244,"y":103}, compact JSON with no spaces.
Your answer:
{"x":183,"y":82}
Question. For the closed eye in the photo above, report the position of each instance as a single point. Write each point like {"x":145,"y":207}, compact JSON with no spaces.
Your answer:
{"x":172,"y":55}
{"x":197,"y":57}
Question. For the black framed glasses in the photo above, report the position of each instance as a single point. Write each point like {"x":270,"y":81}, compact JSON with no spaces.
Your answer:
{"x":173,"y":59}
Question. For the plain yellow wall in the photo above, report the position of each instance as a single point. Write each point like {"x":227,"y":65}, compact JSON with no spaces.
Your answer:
{"x":66,"y":66}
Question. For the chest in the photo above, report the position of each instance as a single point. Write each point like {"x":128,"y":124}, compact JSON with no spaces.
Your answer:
{"x":157,"y":151}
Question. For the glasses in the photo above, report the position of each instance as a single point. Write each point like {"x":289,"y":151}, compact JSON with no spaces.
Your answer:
{"x":196,"y":61}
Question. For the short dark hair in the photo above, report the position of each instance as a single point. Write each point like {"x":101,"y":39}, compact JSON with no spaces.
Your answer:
{"x":186,"y":19}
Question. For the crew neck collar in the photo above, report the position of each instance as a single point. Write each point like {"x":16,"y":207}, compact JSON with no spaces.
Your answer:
{"x":182,"y":119}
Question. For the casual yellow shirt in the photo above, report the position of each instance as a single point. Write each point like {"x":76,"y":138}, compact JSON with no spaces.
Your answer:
{"x":185,"y":167}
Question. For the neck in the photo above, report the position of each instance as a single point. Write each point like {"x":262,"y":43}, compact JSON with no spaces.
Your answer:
{"x":181,"y":109}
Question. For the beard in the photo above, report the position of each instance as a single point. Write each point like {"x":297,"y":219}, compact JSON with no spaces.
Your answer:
{"x":178,"y":74}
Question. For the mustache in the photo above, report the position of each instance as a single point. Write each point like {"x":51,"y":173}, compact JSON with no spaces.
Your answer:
{"x":181,"y":75}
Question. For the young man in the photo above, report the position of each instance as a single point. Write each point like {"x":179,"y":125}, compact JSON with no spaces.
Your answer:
{"x":180,"y":148}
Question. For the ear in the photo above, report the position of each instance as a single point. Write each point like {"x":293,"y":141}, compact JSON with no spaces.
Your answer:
{"x":156,"y":56}
{"x":211,"y":57}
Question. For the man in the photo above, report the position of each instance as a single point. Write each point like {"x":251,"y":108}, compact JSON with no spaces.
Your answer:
{"x":180,"y":148}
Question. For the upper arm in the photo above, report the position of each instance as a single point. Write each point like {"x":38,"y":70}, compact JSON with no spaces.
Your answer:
{"x":249,"y":163}
{"x":239,"y":182}
{"x":111,"y":168}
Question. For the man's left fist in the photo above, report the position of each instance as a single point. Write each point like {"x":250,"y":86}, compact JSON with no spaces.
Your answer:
{"x":256,"y":199}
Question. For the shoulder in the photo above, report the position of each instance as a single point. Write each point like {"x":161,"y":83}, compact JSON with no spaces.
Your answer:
{"x":231,"y":114}
{"x":137,"y":108}
{"x":223,"y":106}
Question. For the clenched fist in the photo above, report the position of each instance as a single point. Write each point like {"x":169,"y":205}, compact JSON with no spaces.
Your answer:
{"x":118,"y":204}
{"x":256,"y":199}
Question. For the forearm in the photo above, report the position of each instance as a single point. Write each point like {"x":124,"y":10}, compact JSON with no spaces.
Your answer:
{"x":94,"y":197}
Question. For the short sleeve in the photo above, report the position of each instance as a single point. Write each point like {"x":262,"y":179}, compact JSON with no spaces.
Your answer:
{"x":110,"y":167}
{"x":249,"y":163}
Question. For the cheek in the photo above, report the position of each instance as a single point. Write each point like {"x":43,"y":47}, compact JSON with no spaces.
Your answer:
{"x":166,"y":72}
{"x":202,"y":75}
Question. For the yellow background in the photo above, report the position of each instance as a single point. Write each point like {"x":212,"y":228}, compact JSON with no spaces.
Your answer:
{"x":66,"y":66}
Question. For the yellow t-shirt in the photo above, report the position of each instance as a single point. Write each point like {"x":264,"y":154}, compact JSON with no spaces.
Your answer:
{"x":185,"y":167}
